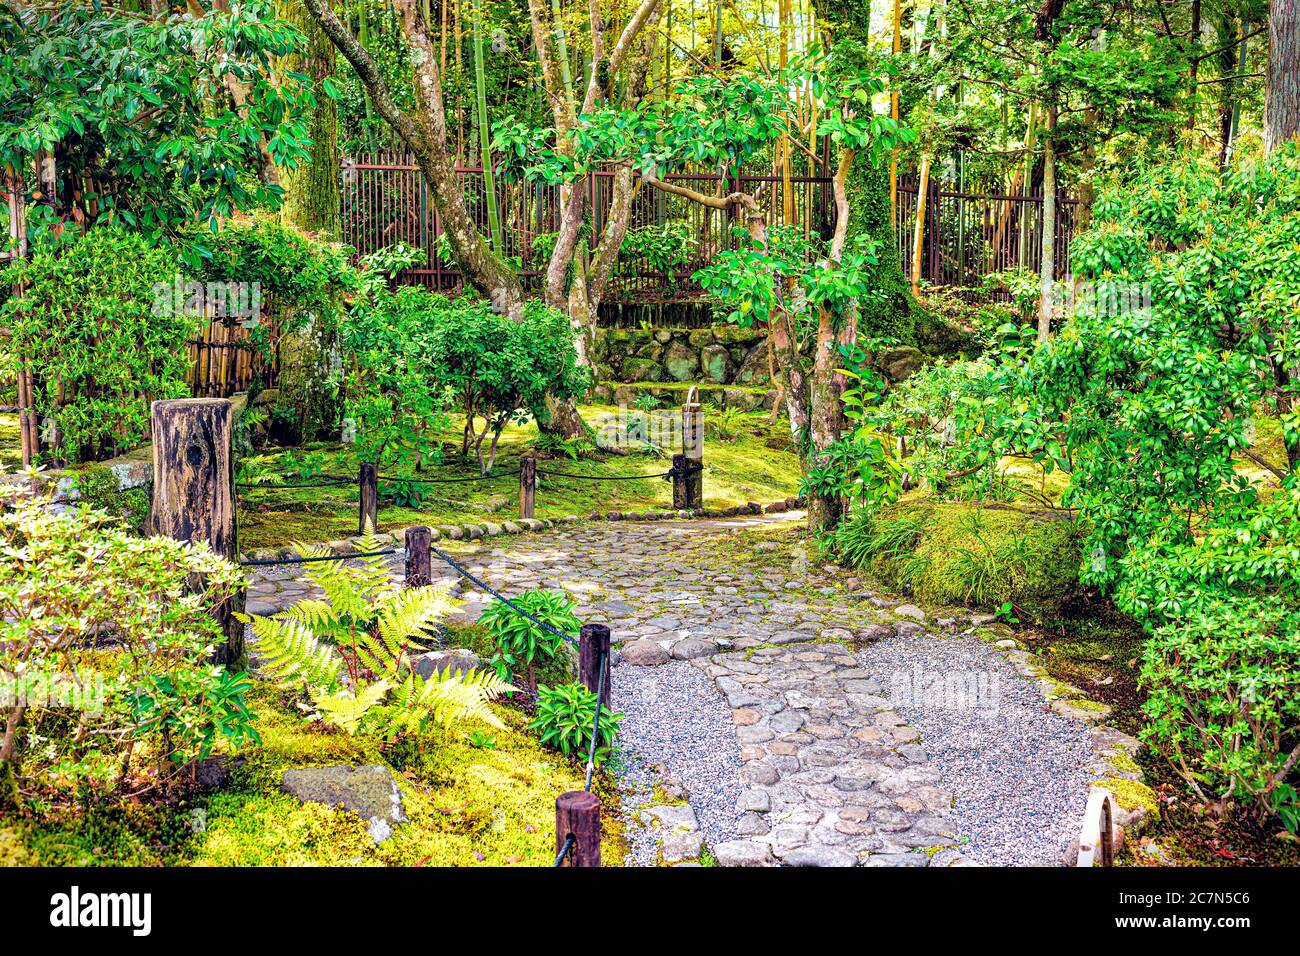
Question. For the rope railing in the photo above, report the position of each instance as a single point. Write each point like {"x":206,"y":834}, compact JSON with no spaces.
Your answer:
{"x":312,"y":559}
{"x":576,"y":812}
{"x":192,"y":449}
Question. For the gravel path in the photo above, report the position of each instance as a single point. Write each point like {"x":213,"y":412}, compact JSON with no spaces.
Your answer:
{"x":794,"y":706}
{"x":1015,"y":768}
{"x":673,"y":716}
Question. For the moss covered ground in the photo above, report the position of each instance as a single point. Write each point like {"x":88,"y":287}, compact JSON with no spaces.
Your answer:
{"x":10,"y":442}
{"x":760,"y":464}
{"x":470,"y":801}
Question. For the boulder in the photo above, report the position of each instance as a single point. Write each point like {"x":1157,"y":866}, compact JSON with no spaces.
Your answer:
{"x":644,"y":653}
{"x":369,"y":791}
{"x":753,"y":367}
{"x":681,"y":362}
{"x":642,"y":370}
{"x":716,"y":364}
{"x":900,"y":361}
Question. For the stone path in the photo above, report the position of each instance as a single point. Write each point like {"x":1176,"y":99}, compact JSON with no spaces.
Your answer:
{"x":816,"y":764}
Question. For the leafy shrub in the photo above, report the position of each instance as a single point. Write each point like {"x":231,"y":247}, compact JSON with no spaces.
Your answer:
{"x":500,"y":370}
{"x":1222,"y":666}
{"x":1224,"y":703}
{"x":405,"y":492}
{"x":97,"y":348}
{"x":521,"y":643}
{"x":389,"y":393}
{"x":351,"y":653}
{"x":727,"y":425}
{"x":1152,"y":386}
{"x":664,"y":247}
{"x":104,"y":650}
{"x":564,"y":720}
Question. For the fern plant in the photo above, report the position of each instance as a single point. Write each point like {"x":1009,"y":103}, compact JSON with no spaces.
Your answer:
{"x":350,"y":653}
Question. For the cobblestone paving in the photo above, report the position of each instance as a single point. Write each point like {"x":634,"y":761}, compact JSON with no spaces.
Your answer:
{"x":829,"y":772}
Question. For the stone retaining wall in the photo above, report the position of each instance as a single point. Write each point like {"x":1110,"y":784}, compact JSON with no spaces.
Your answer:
{"x":720,"y":355}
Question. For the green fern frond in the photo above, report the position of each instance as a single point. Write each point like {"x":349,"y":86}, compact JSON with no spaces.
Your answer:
{"x":347,"y":710}
{"x":407,"y":616}
{"x":448,"y":696}
{"x":291,"y":654}
{"x":350,"y":588}
{"x":320,"y":616}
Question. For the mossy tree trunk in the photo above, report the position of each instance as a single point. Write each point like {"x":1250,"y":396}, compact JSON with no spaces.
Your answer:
{"x":893,"y":312}
{"x":309,"y":346}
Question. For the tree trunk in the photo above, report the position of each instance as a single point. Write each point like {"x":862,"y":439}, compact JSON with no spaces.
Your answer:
{"x":1047,"y":265}
{"x":194,"y":496}
{"x":424,"y":132}
{"x":918,"y":233}
{"x":308,"y":348}
{"x":1282,"y":100}
{"x":891,"y":311}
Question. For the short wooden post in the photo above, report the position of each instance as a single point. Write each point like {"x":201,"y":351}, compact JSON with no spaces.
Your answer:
{"x":193,"y":494}
{"x":593,"y":647}
{"x":368,"y":486}
{"x":419,"y":557}
{"x":527,"y":486}
{"x":577,"y":814}
{"x":693,"y":429}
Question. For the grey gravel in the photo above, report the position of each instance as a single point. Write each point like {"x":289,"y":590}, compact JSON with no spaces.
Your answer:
{"x":696,"y":746}
{"x":1018,"y":771}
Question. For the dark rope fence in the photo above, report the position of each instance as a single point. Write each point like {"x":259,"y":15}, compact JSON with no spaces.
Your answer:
{"x":192,"y":444}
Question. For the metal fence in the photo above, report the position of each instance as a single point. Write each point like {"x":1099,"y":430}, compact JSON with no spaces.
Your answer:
{"x":968,"y":234}
{"x":386,"y":201}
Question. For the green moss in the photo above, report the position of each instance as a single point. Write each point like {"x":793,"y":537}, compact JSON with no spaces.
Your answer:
{"x":466,"y":806}
{"x":11,"y":455}
{"x":1131,"y":794}
{"x":1124,"y":763}
{"x":759,"y":466}
{"x":98,"y":487}
{"x":977,"y":555}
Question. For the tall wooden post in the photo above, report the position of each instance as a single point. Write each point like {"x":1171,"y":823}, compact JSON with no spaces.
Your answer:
{"x":593,"y":648}
{"x":577,"y":814}
{"x":419,"y":558}
{"x":527,"y":486}
{"x":193,"y":493}
{"x":368,"y":494}
{"x":693,"y":452}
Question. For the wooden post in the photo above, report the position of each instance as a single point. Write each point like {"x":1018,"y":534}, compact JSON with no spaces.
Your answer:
{"x":577,"y":813}
{"x":368,"y":487}
{"x":593,"y":644}
{"x":527,"y":486}
{"x":693,"y":450}
{"x":419,"y":559}
{"x":193,"y":493}
{"x":681,"y":465}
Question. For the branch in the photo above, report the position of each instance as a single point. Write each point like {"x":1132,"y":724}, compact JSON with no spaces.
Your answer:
{"x":1264,"y":463}
{"x":367,"y":70}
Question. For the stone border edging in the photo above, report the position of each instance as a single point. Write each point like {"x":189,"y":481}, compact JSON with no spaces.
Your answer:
{"x":481,"y":530}
{"x":1114,"y":771}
